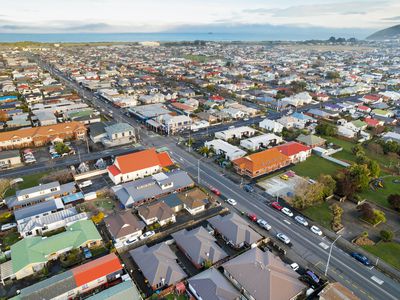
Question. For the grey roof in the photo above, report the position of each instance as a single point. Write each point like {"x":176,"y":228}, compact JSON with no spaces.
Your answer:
{"x":9,"y":154}
{"x":159,"y":210}
{"x":123,"y":224}
{"x":148,"y":187}
{"x":118,"y":128}
{"x":264,"y":276}
{"x":199,"y":245}
{"x":157,"y":263}
{"x":235,"y":229}
{"x":37,"y":188}
{"x":172,"y":200}
{"x":212,"y":285}
{"x":97,"y":128}
{"x":125,"y":290}
{"x":37,"y":209}
{"x":150,"y":110}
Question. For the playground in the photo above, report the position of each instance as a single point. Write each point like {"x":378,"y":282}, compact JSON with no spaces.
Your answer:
{"x":380,"y":188}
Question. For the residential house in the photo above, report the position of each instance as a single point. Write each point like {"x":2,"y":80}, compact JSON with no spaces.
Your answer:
{"x":311,"y":140}
{"x":271,"y":125}
{"x":261,"y":163}
{"x":9,"y":159}
{"x":123,"y":226}
{"x":235,"y":231}
{"x":336,"y":291}
{"x":158,"y":265}
{"x":171,"y":124}
{"x":235,"y":133}
{"x":158,"y":212}
{"x":261,"y":275}
{"x":225,"y":149}
{"x":382,"y":113}
{"x":138,"y":165}
{"x":391,"y":136}
{"x":295,"y":151}
{"x":371,"y":122}
{"x":112,"y":134}
{"x":153,"y":187}
{"x":194,"y":200}
{"x":260,"y":141}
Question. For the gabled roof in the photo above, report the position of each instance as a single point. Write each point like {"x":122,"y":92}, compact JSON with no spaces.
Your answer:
{"x":310,"y":139}
{"x":264,"y":276}
{"x":292,"y":148}
{"x":260,"y":160}
{"x":123,"y":223}
{"x":159,"y":210}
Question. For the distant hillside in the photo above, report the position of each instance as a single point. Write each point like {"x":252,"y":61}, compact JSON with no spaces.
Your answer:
{"x":386,"y":34}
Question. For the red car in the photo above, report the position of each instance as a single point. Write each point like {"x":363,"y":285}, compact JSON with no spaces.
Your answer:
{"x":276,"y":205}
{"x":252,"y":217}
{"x":216,"y":191}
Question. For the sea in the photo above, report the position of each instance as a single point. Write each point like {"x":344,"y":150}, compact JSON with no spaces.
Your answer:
{"x":130,"y":37}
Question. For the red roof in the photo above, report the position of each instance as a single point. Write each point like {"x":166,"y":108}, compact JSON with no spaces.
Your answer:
{"x":371,"y":122}
{"x":292,"y":148}
{"x":96,"y":269}
{"x":362,"y":107}
{"x":142,"y":160}
{"x":372,"y":97}
{"x":216,"y":98}
{"x":114,"y":170}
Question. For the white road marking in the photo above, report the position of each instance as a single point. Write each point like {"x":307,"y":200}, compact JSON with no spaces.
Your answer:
{"x":377,"y":280}
{"x":323,"y":245}
{"x":286,"y":221}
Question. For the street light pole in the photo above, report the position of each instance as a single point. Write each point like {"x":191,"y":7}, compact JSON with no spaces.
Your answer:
{"x":198,"y":169}
{"x":330,"y":253}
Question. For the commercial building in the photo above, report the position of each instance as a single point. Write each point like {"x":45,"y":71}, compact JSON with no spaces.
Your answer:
{"x":221,"y":147}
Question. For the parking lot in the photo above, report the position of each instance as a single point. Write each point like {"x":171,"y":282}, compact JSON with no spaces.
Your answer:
{"x":281,"y":185}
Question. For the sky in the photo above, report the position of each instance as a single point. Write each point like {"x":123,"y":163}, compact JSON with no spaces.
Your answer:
{"x":109,"y":16}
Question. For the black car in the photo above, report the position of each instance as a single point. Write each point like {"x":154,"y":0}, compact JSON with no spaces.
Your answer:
{"x":361,"y":258}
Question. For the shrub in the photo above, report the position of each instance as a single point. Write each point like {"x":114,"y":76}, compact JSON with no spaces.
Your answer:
{"x":387,"y":235}
{"x":394,"y":201}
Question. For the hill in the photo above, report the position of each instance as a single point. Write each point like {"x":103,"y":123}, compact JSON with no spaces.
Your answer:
{"x":386,"y":34}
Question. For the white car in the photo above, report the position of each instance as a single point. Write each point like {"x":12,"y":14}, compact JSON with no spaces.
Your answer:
{"x":147,"y":234}
{"x":316,"y":230}
{"x":287,"y":211}
{"x":131,"y":241}
{"x":294,"y":266}
{"x":301,"y":220}
{"x":283,"y":238}
{"x":231,"y":201}
{"x":262,"y":223}
{"x":8,"y":226}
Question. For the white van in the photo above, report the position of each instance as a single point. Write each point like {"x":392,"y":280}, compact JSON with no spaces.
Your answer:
{"x":85,"y":184}
{"x":8,"y":226}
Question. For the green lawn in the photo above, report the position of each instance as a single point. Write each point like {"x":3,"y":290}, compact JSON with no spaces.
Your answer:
{"x":29,"y":181}
{"x":175,"y":297}
{"x":389,"y":252}
{"x":320,"y":213}
{"x":346,"y":154}
{"x":379,"y":196}
{"x":10,"y":239}
{"x":314,"y":166}
{"x":106,"y":204}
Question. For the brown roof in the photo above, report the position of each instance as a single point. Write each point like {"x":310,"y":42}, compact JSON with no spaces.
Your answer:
{"x":336,"y":291}
{"x":123,"y":224}
{"x":160,"y":210}
{"x":193,"y":198}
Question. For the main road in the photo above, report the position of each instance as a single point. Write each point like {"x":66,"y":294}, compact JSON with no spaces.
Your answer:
{"x":365,"y":282}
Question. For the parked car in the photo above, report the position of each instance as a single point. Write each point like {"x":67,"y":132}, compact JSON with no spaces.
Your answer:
{"x":312,"y":275}
{"x":294,"y":266}
{"x":276,"y":205}
{"x":287,"y":211}
{"x":248,"y":188}
{"x":316,"y":230}
{"x":231,"y":201}
{"x":85,"y":183}
{"x":216,"y":191}
{"x":8,"y":226}
{"x":284,"y":177}
{"x":55,"y":155}
{"x":263,"y":224}
{"x":301,"y":220}
{"x":283,"y":238}
{"x":87,"y":253}
{"x":131,"y":241}
{"x":361,"y":258}
{"x":147,"y":234}
{"x":252,"y":217}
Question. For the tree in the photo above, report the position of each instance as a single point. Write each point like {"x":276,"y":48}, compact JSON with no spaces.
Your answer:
{"x":337,"y":212}
{"x":329,"y":184}
{"x":325,"y":129}
{"x":375,"y":148}
{"x":61,"y":148}
{"x":62,"y":176}
{"x":374,"y":168}
{"x":4,"y":186}
{"x":98,"y":218}
{"x":3,"y":116}
{"x":332,"y":75}
{"x":367,"y":211}
{"x":358,"y":150}
{"x":386,"y":235}
{"x":394,"y":201}
{"x":307,"y":195}
{"x":298,"y":86}
{"x":204,"y":151}
{"x":379,"y":217}
{"x":361,"y":176}
{"x":345,"y":185}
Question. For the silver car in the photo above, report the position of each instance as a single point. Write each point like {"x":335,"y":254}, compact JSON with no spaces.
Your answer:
{"x":283,"y":238}
{"x":301,"y":220}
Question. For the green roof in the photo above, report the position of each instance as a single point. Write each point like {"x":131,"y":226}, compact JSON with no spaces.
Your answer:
{"x":80,"y":113}
{"x":36,"y":249}
{"x":310,"y":139}
{"x":380,"y":111}
{"x":359,"y":123}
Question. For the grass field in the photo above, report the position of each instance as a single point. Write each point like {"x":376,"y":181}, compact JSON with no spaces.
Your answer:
{"x":314,"y":166}
{"x":320,"y":213}
{"x":346,"y":154}
{"x":379,"y":196}
{"x":29,"y":181}
{"x":389,"y":252}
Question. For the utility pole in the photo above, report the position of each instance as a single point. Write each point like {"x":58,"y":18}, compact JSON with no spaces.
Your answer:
{"x":198,"y":169}
{"x":330,"y":253}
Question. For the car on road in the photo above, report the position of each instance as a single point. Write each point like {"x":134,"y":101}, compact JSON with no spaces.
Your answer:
{"x":87,"y":253}
{"x":294,"y":266}
{"x":231,"y":201}
{"x":316,"y":230}
{"x":246,"y":119}
{"x":131,"y":241}
{"x":262,"y":223}
{"x":146,"y":235}
{"x":252,"y":217}
{"x":283,"y":238}
{"x":361,"y":258}
{"x":287,"y":211}
{"x":301,"y":220}
{"x":216,"y":191}
{"x":276,"y":205}
{"x":248,"y":188}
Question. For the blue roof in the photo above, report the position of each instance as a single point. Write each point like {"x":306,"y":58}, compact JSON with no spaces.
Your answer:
{"x":301,"y":116}
{"x":4,"y":98}
{"x":72,"y":198}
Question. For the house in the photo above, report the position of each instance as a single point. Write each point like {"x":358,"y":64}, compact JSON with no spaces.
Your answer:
{"x":212,"y":285}
{"x":290,"y":122}
{"x":371,"y":122}
{"x":382,"y":113}
{"x":225,"y":149}
{"x":260,"y":141}
{"x":311,"y":140}
{"x":45,"y":118}
{"x":345,"y":131}
{"x":126,"y":290}
{"x":9,"y":159}
{"x":261,"y":275}
{"x":171,"y":124}
{"x":295,"y":151}
{"x":235,"y":133}
{"x":296,"y":100}
{"x":194,"y":200}
{"x":39,"y":224}
{"x":260,"y":163}
{"x":271,"y":125}
{"x":371,"y":98}
{"x":41,"y":135}
{"x":78,"y":281}
{"x":123,"y":226}
{"x":138,"y":165}
{"x":38,"y":210}
{"x":158,"y":265}
{"x":112,"y":134}
{"x":235,"y":231}
{"x":336,"y":291}
{"x":357,"y":125}
{"x":153,"y":187}
{"x":363,"y":109}
{"x":199,"y":246}
{"x":302,"y":118}
{"x":31,"y":254}
{"x":391,"y":136}
{"x":158,"y":212}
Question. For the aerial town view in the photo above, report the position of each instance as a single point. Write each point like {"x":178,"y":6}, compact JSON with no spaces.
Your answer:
{"x":200,"y":150}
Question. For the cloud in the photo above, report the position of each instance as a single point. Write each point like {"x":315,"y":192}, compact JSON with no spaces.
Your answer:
{"x":396,"y":18}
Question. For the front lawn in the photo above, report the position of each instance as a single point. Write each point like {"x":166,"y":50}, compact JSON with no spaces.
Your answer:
{"x":380,"y":195}
{"x":389,"y":252}
{"x":315,"y":166}
{"x":320,"y":213}
{"x":346,"y":154}
{"x":29,"y":181}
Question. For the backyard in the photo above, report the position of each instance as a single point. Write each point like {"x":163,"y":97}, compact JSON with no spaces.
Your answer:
{"x":29,"y":181}
{"x":320,"y":213}
{"x":389,"y":252}
{"x":315,"y":166}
